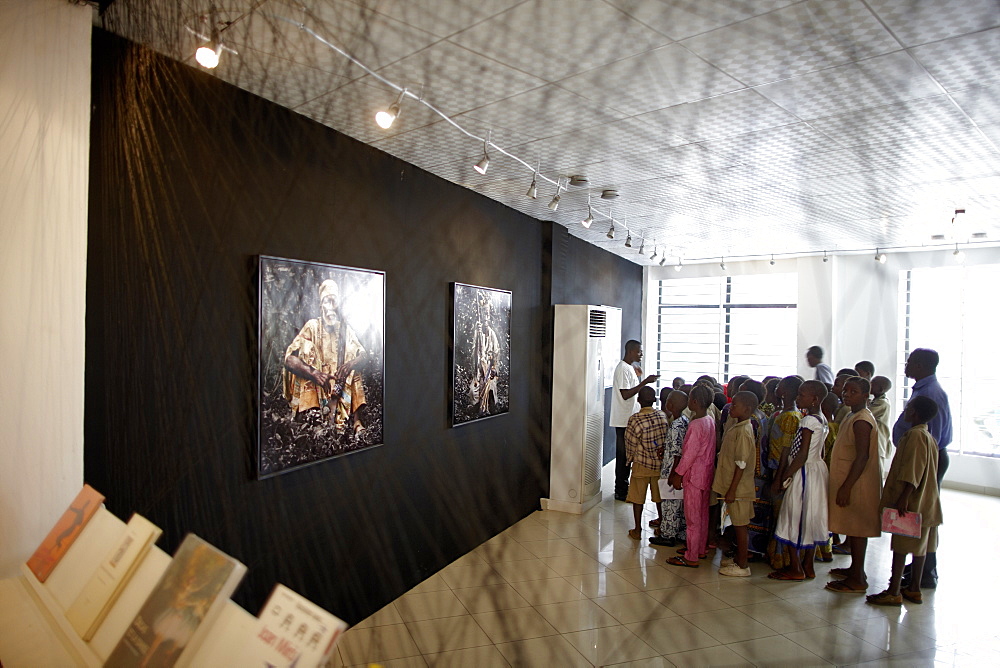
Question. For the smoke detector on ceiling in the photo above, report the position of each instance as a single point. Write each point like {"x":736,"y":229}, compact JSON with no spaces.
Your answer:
{"x":609,"y":194}
{"x":578,"y":180}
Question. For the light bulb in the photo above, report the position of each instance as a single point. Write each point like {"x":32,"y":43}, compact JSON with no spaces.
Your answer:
{"x":386,"y":117}
{"x":483,"y":164}
{"x":586,"y":222}
{"x":207,"y":56}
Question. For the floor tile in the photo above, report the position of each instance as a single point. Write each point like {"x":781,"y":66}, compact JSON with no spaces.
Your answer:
{"x":550,"y":651}
{"x":672,"y":635}
{"x":433,"y":583}
{"x":592,"y":543}
{"x":433,"y":604}
{"x":610,"y":644}
{"x":687,"y":600}
{"x":890,"y":636}
{"x":729,"y":625}
{"x":635,"y":607}
{"x":490,"y":597}
{"x":405,"y":662}
{"x":553,"y":590}
{"x":652,"y":577}
{"x":572,"y":616}
{"x":574,"y":564}
{"x":387,"y":615}
{"x":382,"y":643}
{"x":836,"y":645}
{"x":487,"y":656}
{"x":471,"y":576}
{"x":782,"y":616}
{"x":550,"y":548}
{"x":529,"y":532}
{"x":516,"y":624}
{"x":570,"y":529}
{"x":652,"y":662}
{"x":776,"y":651}
{"x":602,"y":583}
{"x":619,"y":559}
{"x":450,"y":633}
{"x":468,"y":559}
{"x":737,"y":592}
{"x":526,"y":569}
{"x":504,"y":550}
{"x":709,"y":656}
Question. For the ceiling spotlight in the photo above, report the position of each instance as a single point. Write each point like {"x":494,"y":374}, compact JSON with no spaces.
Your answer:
{"x":484,"y":164}
{"x":825,"y":258}
{"x":653,"y":256}
{"x":588,"y":221}
{"x":880,"y":257}
{"x":722,"y":265}
{"x":677,"y":267}
{"x":611,"y":230}
{"x":386,"y":117}
{"x":628,"y":239}
{"x":642,"y":245}
{"x":663,"y":260}
{"x":554,"y":204}
{"x":207,"y":55}
{"x":959,"y":255}
{"x":532,"y":189}
{"x":772,"y":260}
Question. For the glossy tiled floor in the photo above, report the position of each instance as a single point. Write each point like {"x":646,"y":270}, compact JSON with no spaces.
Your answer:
{"x":560,"y":590}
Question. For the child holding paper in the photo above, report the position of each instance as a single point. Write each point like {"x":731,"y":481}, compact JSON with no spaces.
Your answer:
{"x":911,"y":486}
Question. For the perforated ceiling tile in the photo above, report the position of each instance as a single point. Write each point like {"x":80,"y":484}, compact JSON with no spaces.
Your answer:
{"x":722,"y":116}
{"x":427,"y":15}
{"x":887,"y":79}
{"x":965,"y":61}
{"x":555,"y":40}
{"x":981,"y":103}
{"x":545,"y":112}
{"x":927,"y":116}
{"x":795,"y":40}
{"x":918,"y":21}
{"x":455,"y":79}
{"x":617,"y":139}
{"x":763,"y":147}
{"x":283,"y":82}
{"x":963,"y":153}
{"x":683,"y":18}
{"x":660,"y":78}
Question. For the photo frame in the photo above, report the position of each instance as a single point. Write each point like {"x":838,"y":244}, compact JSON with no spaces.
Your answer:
{"x":321,"y":362}
{"x":480,"y":363}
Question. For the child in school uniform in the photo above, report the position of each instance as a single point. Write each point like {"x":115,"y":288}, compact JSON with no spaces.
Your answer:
{"x":694,"y":474}
{"x":911,"y":486}
{"x":671,"y":525}
{"x":879,"y":406}
{"x":734,"y":478}
{"x":802,"y":525}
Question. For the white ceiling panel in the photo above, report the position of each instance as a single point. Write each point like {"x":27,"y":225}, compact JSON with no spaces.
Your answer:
{"x":754,"y":126}
{"x":555,"y":40}
{"x":795,"y":40}
{"x":919,"y":21}
{"x":659,"y":78}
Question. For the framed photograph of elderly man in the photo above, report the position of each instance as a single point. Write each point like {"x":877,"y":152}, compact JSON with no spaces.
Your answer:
{"x":480,"y":353}
{"x":320,"y":365}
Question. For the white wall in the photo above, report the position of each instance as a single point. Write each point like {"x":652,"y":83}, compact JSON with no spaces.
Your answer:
{"x":849,"y":306}
{"x":44,"y":150}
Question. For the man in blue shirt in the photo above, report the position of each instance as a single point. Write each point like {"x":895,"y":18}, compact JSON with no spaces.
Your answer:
{"x":921,"y":366}
{"x":814,"y":358}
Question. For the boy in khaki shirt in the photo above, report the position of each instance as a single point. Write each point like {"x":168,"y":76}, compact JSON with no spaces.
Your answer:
{"x":734,"y":482}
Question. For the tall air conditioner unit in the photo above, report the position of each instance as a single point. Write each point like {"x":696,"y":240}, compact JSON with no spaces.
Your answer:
{"x":579,"y":359}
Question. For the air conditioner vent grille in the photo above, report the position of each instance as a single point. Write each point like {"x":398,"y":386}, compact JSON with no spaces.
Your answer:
{"x":598,"y":324}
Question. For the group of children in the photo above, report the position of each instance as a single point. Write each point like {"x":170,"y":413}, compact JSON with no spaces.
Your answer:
{"x":790,"y":465}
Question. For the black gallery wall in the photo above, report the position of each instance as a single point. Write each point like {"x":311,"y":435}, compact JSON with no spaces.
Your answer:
{"x":191,"y":180}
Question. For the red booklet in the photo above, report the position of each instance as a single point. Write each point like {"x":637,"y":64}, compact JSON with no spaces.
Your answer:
{"x":69,"y":526}
{"x":907,"y":525}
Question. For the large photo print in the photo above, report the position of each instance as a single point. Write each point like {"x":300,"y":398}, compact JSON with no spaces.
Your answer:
{"x":321,"y":363}
{"x":481,"y":353}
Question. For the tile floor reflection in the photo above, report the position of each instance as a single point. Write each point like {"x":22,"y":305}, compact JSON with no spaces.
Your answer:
{"x":561,"y":590}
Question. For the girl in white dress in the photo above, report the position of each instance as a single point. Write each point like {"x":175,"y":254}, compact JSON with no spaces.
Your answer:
{"x":802,"y":522}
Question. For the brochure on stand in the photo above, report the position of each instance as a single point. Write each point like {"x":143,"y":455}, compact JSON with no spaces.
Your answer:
{"x":293,"y":631}
{"x":66,"y":530}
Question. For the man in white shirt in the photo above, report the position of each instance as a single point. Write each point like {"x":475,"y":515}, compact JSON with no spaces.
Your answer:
{"x":623,"y":405}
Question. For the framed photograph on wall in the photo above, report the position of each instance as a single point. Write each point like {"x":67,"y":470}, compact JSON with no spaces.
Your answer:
{"x":480,"y":366}
{"x":320,"y":366}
